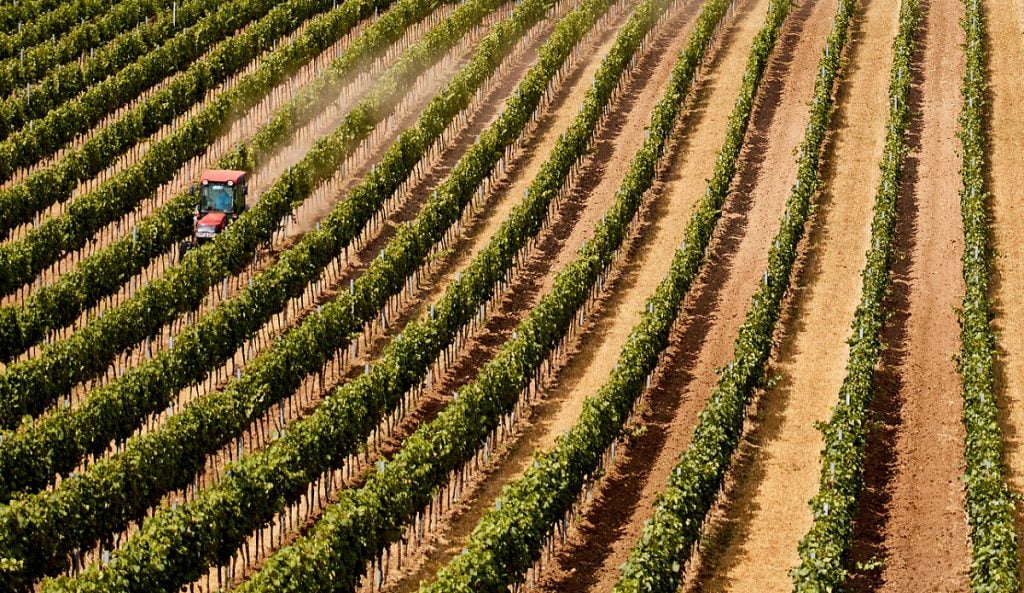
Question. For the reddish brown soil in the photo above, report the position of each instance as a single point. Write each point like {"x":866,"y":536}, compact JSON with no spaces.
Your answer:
{"x":711,"y":317}
{"x":912,"y":516}
{"x":509,"y":191}
{"x":646,"y":265}
{"x":765,"y":511}
{"x":1006,"y":137}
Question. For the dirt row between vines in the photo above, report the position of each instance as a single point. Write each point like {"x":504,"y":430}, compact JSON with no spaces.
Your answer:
{"x":559,"y":408}
{"x":752,"y":539}
{"x":712,"y":313}
{"x":911,"y":531}
{"x":1006,"y":145}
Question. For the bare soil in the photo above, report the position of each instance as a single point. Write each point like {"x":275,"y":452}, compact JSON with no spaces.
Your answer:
{"x":670,"y":211}
{"x":508,"y":191}
{"x":912,"y":513}
{"x":703,"y":341}
{"x":765,"y":512}
{"x":1006,"y":145}
{"x":603,"y":172}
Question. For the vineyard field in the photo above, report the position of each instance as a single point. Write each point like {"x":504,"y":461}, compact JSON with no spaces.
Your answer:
{"x":528,"y":296}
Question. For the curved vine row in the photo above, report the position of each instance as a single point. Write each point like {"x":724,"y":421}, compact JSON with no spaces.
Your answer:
{"x":657,"y":560}
{"x":341,"y":423}
{"x":35,"y":25}
{"x":104,"y":272}
{"x":825,"y":548}
{"x":26,"y":257}
{"x":38,"y":526}
{"x":50,"y":74}
{"x":57,"y":442}
{"x":990,"y":503}
{"x":507,"y":541}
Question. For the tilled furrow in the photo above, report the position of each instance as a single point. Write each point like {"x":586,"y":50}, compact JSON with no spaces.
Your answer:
{"x":764,"y":511}
{"x":711,"y":314}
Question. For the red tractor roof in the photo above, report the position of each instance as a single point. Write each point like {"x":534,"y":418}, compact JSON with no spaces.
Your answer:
{"x":223,"y":176}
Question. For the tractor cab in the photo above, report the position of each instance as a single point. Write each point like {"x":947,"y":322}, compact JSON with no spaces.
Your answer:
{"x":220,"y":199}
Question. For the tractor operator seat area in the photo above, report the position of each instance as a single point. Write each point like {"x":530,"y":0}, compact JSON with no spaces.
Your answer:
{"x":217,"y":197}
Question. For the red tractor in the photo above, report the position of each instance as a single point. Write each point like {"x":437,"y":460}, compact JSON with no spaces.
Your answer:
{"x":220,"y":199}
